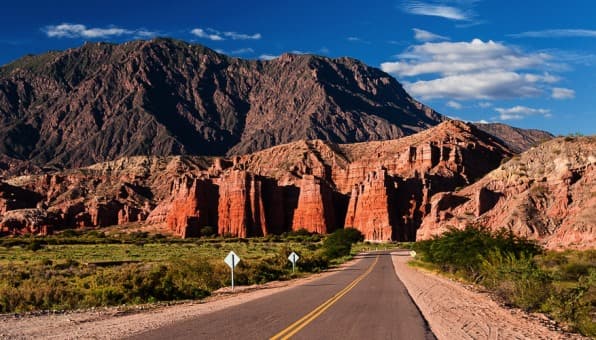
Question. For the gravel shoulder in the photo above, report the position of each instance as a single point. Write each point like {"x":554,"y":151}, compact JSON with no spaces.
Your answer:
{"x":119,"y":322}
{"x":456,"y":312}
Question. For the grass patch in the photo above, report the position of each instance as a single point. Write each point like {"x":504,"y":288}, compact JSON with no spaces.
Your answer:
{"x":76,"y":269}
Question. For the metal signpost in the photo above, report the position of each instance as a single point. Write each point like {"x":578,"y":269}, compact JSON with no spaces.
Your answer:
{"x":232,"y":261}
{"x":293,"y":258}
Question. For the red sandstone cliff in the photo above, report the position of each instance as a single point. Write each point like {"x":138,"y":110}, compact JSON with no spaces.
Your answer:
{"x":315,"y":211}
{"x":548,"y":194}
{"x":307,"y":184}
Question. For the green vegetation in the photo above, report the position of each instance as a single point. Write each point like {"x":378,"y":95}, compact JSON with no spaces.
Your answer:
{"x":87,"y":269}
{"x":560,"y":284}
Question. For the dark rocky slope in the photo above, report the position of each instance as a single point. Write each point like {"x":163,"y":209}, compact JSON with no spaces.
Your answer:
{"x":165,"y":97}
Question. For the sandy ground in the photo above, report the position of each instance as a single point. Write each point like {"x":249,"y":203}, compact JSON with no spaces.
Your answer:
{"x":114,"y":322}
{"x":452,"y":311}
{"x":455,"y":311}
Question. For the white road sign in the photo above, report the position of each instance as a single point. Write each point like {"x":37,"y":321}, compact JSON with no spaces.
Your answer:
{"x":293,"y":257}
{"x":232,"y":260}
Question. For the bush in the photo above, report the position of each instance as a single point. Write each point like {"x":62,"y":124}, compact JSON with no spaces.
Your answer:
{"x":313,"y":263}
{"x":339,"y":243}
{"x":462,"y":251}
{"x":516,"y":279}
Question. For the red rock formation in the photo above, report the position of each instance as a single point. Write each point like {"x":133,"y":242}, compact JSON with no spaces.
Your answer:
{"x":370,"y":209}
{"x":194,"y":206}
{"x":241,"y":211}
{"x":315,"y":211}
{"x":546,"y":194}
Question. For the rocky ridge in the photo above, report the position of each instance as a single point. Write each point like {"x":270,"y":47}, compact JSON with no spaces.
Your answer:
{"x":382,"y":188}
{"x":547,"y":193}
{"x":164,"y":97}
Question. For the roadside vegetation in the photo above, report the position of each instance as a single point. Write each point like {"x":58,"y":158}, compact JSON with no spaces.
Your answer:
{"x":75,"y":270}
{"x":519,"y":272}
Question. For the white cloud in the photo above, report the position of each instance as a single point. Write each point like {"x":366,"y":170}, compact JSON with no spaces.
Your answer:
{"x":201,"y":33}
{"x":357,"y":40}
{"x":481,"y":85}
{"x":557,"y":33}
{"x":437,"y":10}
{"x":422,"y":35}
{"x":482,"y":121}
{"x":66,"y":30}
{"x":562,"y":93}
{"x":242,"y":36}
{"x":243,"y":51}
{"x":215,"y":35}
{"x":520,"y":112}
{"x":485,"y":105}
{"x":324,"y":50}
{"x":449,"y":58}
{"x":454,"y":105}
{"x":472,"y":70}
{"x":268,"y":57}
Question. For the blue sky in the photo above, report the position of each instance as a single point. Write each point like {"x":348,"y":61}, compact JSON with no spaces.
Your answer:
{"x":526,"y":63}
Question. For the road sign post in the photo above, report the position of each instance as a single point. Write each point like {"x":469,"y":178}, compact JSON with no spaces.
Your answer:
{"x":293,"y":258}
{"x":232,"y":261}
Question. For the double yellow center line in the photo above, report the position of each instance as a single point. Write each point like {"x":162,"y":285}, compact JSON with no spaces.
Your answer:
{"x":308,"y":318}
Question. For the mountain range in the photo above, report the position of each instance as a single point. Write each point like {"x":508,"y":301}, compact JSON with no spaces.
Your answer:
{"x":167,"y":134}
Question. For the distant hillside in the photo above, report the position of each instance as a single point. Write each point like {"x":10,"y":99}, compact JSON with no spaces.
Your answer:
{"x":518,"y":140}
{"x":165,"y":97}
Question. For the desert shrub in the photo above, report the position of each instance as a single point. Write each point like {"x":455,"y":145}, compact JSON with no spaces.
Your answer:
{"x":462,"y":251}
{"x":208,"y":231}
{"x":313,"y":263}
{"x":339,"y":243}
{"x":576,"y":305}
{"x":515,"y":278}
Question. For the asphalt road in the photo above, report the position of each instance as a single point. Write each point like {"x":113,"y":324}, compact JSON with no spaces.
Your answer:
{"x":363,"y":301}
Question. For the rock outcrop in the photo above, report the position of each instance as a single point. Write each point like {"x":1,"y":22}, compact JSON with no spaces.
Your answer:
{"x":547,"y":194}
{"x":381,"y":188}
{"x":371,"y":209}
{"x":241,"y":212}
{"x":315,"y":211}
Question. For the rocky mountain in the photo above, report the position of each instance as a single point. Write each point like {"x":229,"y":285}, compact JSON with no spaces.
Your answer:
{"x":164,"y":97}
{"x":383,"y":188}
{"x":548,"y":193}
{"x":516,"y":139}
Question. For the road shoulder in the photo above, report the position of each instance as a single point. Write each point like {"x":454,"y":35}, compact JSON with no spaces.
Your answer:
{"x":456,"y":312}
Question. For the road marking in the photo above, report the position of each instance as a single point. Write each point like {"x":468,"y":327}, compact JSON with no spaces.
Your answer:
{"x":308,"y":318}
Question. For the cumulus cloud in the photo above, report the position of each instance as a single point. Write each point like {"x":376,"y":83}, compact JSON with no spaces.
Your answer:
{"x":557,"y":33}
{"x":472,"y":70}
{"x":215,"y":35}
{"x":520,"y":112}
{"x":426,"y":36}
{"x":268,"y":56}
{"x":67,"y":30}
{"x":245,"y":50}
{"x":437,"y":9}
{"x":562,"y":93}
{"x":454,"y":105}
{"x":204,"y":34}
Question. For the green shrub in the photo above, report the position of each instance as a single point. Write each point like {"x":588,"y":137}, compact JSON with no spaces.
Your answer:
{"x":515,"y":278}
{"x":462,"y":251}
{"x":339,"y":243}
{"x":312,"y":263}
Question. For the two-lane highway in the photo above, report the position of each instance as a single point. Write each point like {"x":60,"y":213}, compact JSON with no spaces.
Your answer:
{"x":363,"y":301}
